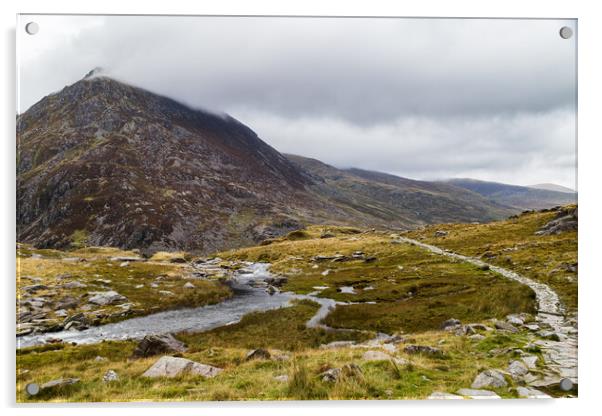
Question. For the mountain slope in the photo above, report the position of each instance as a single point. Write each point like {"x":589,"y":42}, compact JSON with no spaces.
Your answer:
{"x":123,"y":167}
{"x":520,"y":197}
{"x":397,"y":201}
{"x":104,"y":163}
{"x":552,"y":187}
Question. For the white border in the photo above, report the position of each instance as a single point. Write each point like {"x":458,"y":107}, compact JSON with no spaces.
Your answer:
{"x":590,"y":70}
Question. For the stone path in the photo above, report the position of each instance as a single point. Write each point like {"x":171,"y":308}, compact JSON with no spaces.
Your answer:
{"x":560,"y":356}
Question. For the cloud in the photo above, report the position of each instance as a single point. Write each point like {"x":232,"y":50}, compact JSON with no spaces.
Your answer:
{"x":443,"y":97}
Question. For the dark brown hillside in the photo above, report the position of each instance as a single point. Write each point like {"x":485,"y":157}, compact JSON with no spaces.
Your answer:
{"x":105,"y":163}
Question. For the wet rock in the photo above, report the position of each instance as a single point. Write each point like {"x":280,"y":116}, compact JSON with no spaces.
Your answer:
{"x":258,"y":354}
{"x":61,"y":382}
{"x":517,"y":369}
{"x":422,"y":349}
{"x":158,"y":344}
{"x":106,"y":298}
{"x":174,"y":366}
{"x":478,"y":394}
{"x":440,"y":395}
{"x":271,"y":290}
{"x":450,"y":323}
{"x":489,"y":378}
{"x":109,"y":376}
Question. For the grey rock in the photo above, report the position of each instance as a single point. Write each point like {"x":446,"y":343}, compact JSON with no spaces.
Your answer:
{"x":517,"y":369}
{"x":505,"y":326}
{"x":531,"y":393}
{"x":337,"y":344}
{"x":440,"y":233}
{"x":258,"y":354}
{"x":478,"y":394}
{"x":440,"y":395}
{"x":422,"y":349}
{"x":76,"y":284}
{"x":109,"y":376}
{"x":189,"y":285}
{"x":489,"y":378}
{"x":174,"y":366}
{"x":61,"y":382}
{"x":106,"y":298}
{"x":450,"y":323}
{"x":281,"y":378}
{"x":330,"y":375}
{"x":530,"y":361}
{"x":158,"y":344}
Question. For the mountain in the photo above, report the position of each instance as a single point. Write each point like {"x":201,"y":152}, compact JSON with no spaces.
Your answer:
{"x":552,"y":187}
{"x":105,"y":163}
{"x":399,"y":202}
{"x":520,"y":197}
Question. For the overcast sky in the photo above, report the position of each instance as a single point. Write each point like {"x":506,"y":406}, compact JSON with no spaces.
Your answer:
{"x":420,"y":98}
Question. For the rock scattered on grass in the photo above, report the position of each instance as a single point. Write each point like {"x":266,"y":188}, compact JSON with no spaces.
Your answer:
{"x":258,"y":354}
{"x":106,"y":298}
{"x":489,"y":378}
{"x":422,"y":349}
{"x":109,"y":376}
{"x":158,"y":344}
{"x":175,"y":366}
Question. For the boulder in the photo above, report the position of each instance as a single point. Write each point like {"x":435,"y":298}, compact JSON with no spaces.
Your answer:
{"x":189,"y":285}
{"x":258,"y":354}
{"x":440,"y":395}
{"x":109,"y":376}
{"x":530,"y":361}
{"x":422,"y":349}
{"x":489,"y":378}
{"x":517,"y":369}
{"x":61,"y":382}
{"x":478,"y":394}
{"x":106,"y":298}
{"x":158,"y":344}
{"x":330,"y":375}
{"x":505,"y":326}
{"x":450,"y":323}
{"x":76,"y":284}
{"x":531,"y":393}
{"x":440,"y":233}
{"x":174,"y":366}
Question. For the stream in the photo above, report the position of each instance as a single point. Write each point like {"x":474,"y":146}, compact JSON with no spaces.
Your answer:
{"x":249,"y":296}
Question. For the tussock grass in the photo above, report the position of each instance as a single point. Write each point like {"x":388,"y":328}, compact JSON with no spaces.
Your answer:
{"x":513,"y":244}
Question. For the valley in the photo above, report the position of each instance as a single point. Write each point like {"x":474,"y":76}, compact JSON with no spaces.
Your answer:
{"x":341,"y":313}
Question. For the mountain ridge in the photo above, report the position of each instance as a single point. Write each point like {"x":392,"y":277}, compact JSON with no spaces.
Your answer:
{"x":105,"y":163}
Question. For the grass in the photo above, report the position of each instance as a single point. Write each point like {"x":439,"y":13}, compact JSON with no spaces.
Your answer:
{"x":95,"y":268}
{"x":513,"y":244}
{"x":402,"y":289}
{"x":255,"y":380}
{"x":405,"y":288}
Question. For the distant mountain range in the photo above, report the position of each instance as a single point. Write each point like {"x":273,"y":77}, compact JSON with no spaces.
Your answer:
{"x":552,"y":187}
{"x":520,"y":197}
{"x":105,"y":163}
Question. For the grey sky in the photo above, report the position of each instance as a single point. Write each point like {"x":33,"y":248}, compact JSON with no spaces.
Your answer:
{"x":438,"y":98}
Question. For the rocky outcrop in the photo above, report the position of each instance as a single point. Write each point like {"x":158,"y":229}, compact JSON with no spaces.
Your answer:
{"x":174,"y":366}
{"x":158,"y":344}
{"x":489,"y":378}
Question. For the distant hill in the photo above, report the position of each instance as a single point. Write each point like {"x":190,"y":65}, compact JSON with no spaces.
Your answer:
{"x":105,"y":163}
{"x":552,"y":187}
{"x":521,"y":197}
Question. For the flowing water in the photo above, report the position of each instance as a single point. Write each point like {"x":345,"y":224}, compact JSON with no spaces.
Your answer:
{"x":249,"y":296}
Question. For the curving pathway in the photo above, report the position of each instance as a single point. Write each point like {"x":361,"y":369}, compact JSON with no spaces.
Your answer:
{"x":560,"y":356}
